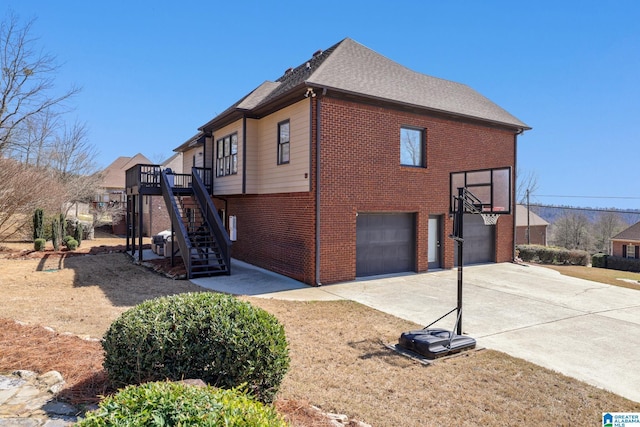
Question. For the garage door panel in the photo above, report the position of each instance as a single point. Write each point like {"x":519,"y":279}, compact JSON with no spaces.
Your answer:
{"x":385,"y":243}
{"x":479,"y":241}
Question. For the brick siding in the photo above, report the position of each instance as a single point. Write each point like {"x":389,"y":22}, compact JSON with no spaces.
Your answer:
{"x":360,"y":172}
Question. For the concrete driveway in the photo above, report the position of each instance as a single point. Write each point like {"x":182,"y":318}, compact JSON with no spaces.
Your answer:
{"x":583,"y":329}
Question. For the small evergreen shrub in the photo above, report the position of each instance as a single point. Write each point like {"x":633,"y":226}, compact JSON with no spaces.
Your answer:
{"x":599,"y":260}
{"x":66,"y":239}
{"x":213,"y":337}
{"x":178,"y":404}
{"x":77,"y":233}
{"x":39,"y":244}
{"x":38,"y":224}
{"x":72,"y":244}
{"x":56,"y":233}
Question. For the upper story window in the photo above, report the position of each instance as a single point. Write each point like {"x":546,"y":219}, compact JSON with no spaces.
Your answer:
{"x":412,"y":147}
{"x":227,"y":155}
{"x":283,"y":142}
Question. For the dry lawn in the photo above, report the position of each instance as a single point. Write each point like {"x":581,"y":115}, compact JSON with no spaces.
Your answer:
{"x":624,"y":279}
{"x":339,"y":358}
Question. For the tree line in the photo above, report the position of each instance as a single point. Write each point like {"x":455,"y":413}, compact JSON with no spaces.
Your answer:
{"x":46,"y":158}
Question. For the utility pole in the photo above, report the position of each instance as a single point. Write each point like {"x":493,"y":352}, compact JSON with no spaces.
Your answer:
{"x":528,"y":220}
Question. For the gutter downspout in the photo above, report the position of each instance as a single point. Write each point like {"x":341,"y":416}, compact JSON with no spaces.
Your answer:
{"x":244,"y":154}
{"x":318,"y":283}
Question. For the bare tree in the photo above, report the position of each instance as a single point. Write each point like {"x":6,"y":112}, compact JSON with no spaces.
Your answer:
{"x":572,"y":231}
{"x":26,"y":80}
{"x":23,"y":188}
{"x":608,"y":225}
{"x":34,"y":138}
{"x":526,"y":180}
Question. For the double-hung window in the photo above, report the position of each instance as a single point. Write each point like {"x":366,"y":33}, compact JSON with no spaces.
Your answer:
{"x":412,"y":147}
{"x":631,"y":251}
{"x":227,"y":155}
{"x":283,"y":142}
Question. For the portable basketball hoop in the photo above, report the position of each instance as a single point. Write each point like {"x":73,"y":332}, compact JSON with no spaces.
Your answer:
{"x":491,"y":193}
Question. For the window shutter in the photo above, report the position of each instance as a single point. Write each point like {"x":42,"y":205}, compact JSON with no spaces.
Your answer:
{"x":624,"y":251}
{"x":637,"y":251}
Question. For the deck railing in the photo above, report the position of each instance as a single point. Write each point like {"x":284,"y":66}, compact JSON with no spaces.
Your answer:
{"x":148,"y":176}
{"x":213,"y":219}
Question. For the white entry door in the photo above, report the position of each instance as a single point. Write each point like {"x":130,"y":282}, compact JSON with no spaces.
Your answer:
{"x":433,"y":247}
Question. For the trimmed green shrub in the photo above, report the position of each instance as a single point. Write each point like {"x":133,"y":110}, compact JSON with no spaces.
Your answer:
{"x":623,"y":264}
{"x":72,"y":244}
{"x":599,"y":260}
{"x":77,"y":233}
{"x":213,"y":337}
{"x":552,"y":255}
{"x":56,"y":233}
{"x":38,"y":224}
{"x":178,"y":404}
{"x":39,"y":244}
{"x":65,"y":239}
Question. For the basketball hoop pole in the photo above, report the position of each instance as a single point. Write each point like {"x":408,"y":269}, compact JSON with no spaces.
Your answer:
{"x":459,"y":219}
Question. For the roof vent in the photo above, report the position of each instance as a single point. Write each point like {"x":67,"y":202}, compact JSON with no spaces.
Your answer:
{"x":317,"y":52}
{"x":288,"y":70}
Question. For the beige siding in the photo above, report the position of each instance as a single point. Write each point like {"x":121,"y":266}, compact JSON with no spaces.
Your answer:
{"x":266,"y":175}
{"x":188,"y":156}
{"x":230,"y":184}
{"x":263,"y":174}
{"x":175,"y":164}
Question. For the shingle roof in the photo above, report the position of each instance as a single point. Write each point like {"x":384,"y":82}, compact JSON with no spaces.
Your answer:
{"x":114,"y":174}
{"x":352,"y":68}
{"x":631,"y":233}
{"x":521,"y":217}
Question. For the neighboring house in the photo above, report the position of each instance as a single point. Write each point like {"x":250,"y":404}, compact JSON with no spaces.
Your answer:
{"x":341,"y":168}
{"x":530,"y":228}
{"x":113,"y":188}
{"x":626,"y":244}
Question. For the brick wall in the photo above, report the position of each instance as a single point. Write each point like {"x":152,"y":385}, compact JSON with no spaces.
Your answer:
{"x":276,"y":232}
{"x":361,"y":172}
{"x":155,"y":217}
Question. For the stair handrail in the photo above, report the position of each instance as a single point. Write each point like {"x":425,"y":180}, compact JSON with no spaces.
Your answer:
{"x":212,"y":218}
{"x":177,"y":225}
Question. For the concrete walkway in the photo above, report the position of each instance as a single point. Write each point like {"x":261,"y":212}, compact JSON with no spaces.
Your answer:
{"x":586,"y":330}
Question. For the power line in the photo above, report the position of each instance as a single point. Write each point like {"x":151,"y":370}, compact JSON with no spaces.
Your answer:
{"x":574,"y":208}
{"x":590,"y":197}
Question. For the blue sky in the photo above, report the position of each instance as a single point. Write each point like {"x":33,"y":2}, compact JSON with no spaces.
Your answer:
{"x":152,"y":72}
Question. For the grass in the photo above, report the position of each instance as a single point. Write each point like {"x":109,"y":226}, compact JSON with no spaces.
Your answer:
{"x":340,"y":361}
{"x":602,"y":275}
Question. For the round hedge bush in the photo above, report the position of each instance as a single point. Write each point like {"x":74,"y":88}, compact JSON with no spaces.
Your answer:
{"x":39,"y":244}
{"x":213,"y":337}
{"x":178,"y":404}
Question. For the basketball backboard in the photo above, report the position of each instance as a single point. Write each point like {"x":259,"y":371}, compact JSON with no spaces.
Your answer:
{"x":491,"y":188}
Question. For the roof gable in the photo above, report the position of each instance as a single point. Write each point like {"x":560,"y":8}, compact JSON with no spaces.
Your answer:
{"x":114,"y":174}
{"x":521,"y":217}
{"x":352,"y":68}
{"x":631,"y":233}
